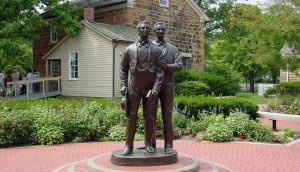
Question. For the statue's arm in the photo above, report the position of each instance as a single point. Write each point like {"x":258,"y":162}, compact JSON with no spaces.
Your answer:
{"x":124,"y":68}
{"x":159,"y":73}
{"x":177,"y":65}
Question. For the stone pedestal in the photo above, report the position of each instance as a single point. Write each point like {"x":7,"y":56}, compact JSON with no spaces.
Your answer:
{"x":102,"y":163}
{"x":140,"y":157}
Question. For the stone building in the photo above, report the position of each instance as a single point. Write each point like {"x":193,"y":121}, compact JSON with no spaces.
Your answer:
{"x":185,"y":29}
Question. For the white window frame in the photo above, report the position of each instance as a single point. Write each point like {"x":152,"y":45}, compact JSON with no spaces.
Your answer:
{"x":53,"y":39}
{"x":71,"y":55}
{"x":164,"y":5}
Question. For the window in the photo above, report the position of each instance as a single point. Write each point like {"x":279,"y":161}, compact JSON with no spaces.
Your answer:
{"x":53,"y":36}
{"x":55,"y":68}
{"x":73,"y":66}
{"x":164,"y":3}
{"x":185,"y":62}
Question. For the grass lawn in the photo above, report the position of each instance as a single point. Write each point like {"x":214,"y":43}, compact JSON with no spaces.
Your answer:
{"x":253,"y":98}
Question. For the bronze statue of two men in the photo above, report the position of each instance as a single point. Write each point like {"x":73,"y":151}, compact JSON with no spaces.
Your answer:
{"x":146,"y":74}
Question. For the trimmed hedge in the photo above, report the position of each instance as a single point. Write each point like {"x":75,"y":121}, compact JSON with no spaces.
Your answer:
{"x":192,"y":106}
{"x":217,"y":84}
{"x":284,"y":88}
{"x":188,"y":88}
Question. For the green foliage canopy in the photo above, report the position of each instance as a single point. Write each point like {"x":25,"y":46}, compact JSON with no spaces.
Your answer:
{"x":19,"y":22}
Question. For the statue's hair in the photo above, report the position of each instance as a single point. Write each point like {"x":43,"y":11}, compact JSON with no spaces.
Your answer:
{"x":143,"y":22}
{"x":158,"y":23}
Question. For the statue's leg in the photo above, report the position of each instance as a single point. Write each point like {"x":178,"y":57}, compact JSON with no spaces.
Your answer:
{"x":166,"y":98}
{"x":133,"y":104}
{"x":153,"y":139}
{"x":149,"y":123}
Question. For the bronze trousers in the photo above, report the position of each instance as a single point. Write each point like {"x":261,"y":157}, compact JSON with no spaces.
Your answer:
{"x":166,"y":97}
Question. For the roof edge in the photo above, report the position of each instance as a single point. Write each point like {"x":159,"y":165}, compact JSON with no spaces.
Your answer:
{"x":86,"y":23}
{"x":198,"y":10}
{"x":55,"y":46}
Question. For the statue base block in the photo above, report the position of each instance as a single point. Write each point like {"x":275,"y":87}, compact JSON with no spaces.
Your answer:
{"x":102,"y":163}
{"x":140,"y":157}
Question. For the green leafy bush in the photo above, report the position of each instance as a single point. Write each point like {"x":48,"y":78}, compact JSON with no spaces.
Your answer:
{"x":238,"y":123}
{"x":285,"y":104}
{"x":188,"y":88}
{"x":285,"y":135}
{"x":180,"y":121}
{"x":186,"y":75}
{"x":50,"y":135}
{"x":200,"y":136}
{"x":193,"y":105}
{"x":219,"y":85}
{"x":258,"y":132}
{"x":284,"y":88}
{"x":219,"y":132}
{"x":220,"y":80}
{"x":204,"y":122}
{"x":288,"y":132}
{"x":15,"y":128}
{"x":117,"y":133}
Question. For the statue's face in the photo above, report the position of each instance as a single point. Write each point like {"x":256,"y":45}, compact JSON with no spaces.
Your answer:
{"x":144,"y":29}
{"x":160,"y":31}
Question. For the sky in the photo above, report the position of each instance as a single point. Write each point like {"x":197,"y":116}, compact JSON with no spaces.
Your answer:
{"x":253,"y":2}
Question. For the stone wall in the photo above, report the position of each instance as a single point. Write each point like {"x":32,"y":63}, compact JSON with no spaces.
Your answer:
{"x":184,"y":26}
{"x":40,"y":47}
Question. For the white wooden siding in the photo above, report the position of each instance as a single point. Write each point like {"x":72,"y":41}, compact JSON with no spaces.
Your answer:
{"x":94,"y":65}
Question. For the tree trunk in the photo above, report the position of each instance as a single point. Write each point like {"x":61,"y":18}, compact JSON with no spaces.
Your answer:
{"x":274,"y":79}
{"x":251,"y":81}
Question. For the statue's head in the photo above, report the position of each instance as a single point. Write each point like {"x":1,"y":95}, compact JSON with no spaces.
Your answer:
{"x":144,"y":28}
{"x":159,"y":29}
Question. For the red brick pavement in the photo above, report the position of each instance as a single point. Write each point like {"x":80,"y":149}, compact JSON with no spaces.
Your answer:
{"x":240,"y":157}
{"x":281,"y":124}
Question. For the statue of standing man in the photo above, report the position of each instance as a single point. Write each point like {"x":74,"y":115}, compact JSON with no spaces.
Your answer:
{"x":141,"y":79}
{"x":171,"y":63}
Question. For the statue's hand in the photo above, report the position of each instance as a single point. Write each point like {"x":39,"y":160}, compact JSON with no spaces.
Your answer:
{"x":162,"y":64}
{"x":123,"y":90}
{"x":152,"y":95}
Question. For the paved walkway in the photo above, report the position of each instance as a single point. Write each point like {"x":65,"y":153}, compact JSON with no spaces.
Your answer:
{"x":240,"y":157}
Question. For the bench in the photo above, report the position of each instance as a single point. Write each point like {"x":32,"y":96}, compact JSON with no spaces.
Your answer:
{"x":278,"y":116}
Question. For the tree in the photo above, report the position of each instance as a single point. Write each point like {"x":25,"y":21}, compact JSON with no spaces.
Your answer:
{"x":253,"y":38}
{"x":19,"y":21}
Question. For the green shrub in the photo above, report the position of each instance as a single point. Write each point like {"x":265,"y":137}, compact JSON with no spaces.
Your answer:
{"x":219,"y":132}
{"x":193,"y":105}
{"x":288,"y":132}
{"x":188,"y":88}
{"x":258,"y":132}
{"x":180,"y":121}
{"x":205,"y":122}
{"x":200,"y":136}
{"x":284,"y":88}
{"x":186,"y":75}
{"x":238,"y":123}
{"x":50,"y":135}
{"x":285,"y":104}
{"x":117,"y":133}
{"x":285,"y":135}
{"x":139,"y":137}
{"x":217,"y":83}
{"x":281,"y":137}
{"x":15,"y":127}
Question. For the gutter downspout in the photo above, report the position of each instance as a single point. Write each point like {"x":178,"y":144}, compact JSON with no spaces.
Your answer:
{"x":113,"y":68}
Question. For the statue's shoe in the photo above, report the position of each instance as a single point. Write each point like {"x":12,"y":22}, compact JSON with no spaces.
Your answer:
{"x":168,"y":149}
{"x":127,"y":150}
{"x":149,"y":148}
